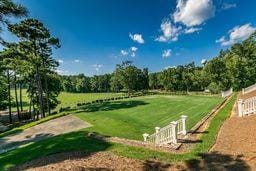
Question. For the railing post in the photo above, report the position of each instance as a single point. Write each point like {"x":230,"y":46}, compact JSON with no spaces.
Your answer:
{"x":184,"y":118}
{"x":157,"y":136}
{"x":174,"y":132}
{"x":242,"y":90}
{"x":240,"y":104}
{"x":222,"y":94}
{"x":145,"y":136}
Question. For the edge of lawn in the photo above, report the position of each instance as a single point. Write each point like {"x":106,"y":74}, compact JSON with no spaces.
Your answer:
{"x":77,"y":141}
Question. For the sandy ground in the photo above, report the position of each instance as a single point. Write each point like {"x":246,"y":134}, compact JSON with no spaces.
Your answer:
{"x":44,"y":130}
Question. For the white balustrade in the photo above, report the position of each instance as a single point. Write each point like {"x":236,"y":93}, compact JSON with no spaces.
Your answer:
{"x":227,"y":93}
{"x":167,"y":134}
{"x":246,"y":107}
{"x":249,"y":89}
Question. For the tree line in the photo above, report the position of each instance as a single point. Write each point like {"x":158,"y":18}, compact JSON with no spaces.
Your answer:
{"x":126,"y":77}
{"x":29,"y":63}
{"x":234,"y":67}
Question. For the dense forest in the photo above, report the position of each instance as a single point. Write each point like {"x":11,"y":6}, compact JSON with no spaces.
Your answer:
{"x":29,"y":64}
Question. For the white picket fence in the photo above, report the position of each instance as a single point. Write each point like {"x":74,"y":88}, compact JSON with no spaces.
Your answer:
{"x":249,"y":89}
{"x":227,"y":93}
{"x":167,"y":134}
{"x":246,"y":107}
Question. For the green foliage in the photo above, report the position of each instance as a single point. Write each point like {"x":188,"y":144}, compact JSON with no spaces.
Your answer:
{"x":214,"y":88}
{"x":130,"y":77}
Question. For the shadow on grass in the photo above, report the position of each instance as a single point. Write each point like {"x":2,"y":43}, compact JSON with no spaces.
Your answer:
{"x":217,"y":161}
{"x":75,"y":141}
{"x":108,"y":106}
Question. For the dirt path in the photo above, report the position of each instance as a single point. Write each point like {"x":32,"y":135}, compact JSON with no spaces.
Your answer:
{"x":48,"y":129}
{"x":237,"y":137}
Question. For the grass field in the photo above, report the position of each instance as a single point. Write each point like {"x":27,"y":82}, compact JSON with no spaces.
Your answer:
{"x":132,"y":117}
{"x":77,"y":141}
{"x":68,"y":99}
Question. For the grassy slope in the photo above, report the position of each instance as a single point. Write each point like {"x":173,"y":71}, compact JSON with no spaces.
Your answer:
{"x":68,"y":99}
{"x":133,"y":117}
{"x":76,"y":141}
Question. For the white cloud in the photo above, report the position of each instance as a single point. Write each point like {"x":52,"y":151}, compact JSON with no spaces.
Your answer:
{"x":76,"y":61}
{"x":203,"y":61}
{"x":192,"y":30}
{"x":133,"y":49}
{"x":237,"y":34}
{"x":166,"y":53}
{"x":60,"y":61}
{"x":193,"y":12}
{"x":169,"y":32}
{"x":124,"y":52}
{"x":137,"y":38}
{"x":62,"y":72}
{"x":226,"y":6}
{"x":167,"y":67}
{"x":133,"y":54}
{"x":97,"y":67}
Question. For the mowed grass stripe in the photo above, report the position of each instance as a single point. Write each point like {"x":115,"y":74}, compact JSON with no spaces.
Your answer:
{"x":131,"y":118}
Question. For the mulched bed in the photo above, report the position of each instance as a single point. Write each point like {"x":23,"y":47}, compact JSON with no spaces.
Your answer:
{"x":237,"y":138}
{"x":78,"y":161}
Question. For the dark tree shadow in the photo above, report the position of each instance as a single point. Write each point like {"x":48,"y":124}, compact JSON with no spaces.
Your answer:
{"x":186,"y":141}
{"x":216,"y":161}
{"x":107,"y":106}
{"x":155,"y":166}
{"x":5,"y":146}
{"x":55,"y":149}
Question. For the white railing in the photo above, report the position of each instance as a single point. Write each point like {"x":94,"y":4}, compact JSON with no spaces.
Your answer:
{"x":227,"y":93}
{"x":246,"y":107}
{"x":249,"y":89}
{"x":181,"y":125}
{"x":167,"y":134}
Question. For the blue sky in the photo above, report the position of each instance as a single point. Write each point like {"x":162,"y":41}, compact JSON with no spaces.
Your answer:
{"x":98,"y":34}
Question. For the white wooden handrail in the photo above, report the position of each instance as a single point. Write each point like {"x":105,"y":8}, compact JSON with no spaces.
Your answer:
{"x":227,"y":93}
{"x":246,"y":107}
{"x":249,"y":89}
{"x":167,"y":134}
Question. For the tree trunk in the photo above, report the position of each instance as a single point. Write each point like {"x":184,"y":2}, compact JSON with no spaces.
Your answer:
{"x":9,"y":97}
{"x":47,"y":97}
{"x":21,"y":104}
{"x":30,"y":113}
{"x":39,"y":84}
{"x":40,"y":91}
{"x":16,"y":97}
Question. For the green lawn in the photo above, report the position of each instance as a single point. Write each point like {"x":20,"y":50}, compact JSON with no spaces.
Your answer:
{"x":132,"y":117}
{"x":77,"y":141}
{"x":68,"y":99}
